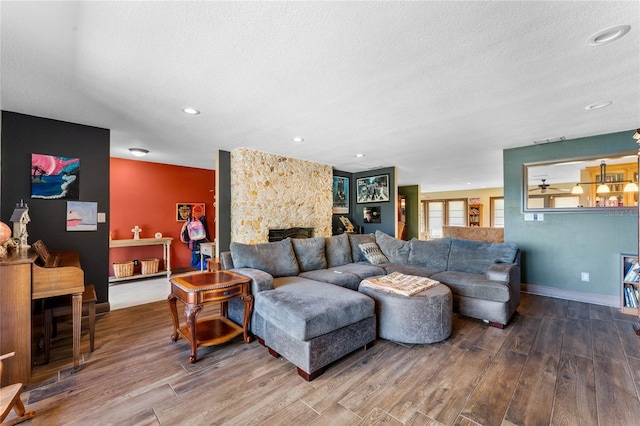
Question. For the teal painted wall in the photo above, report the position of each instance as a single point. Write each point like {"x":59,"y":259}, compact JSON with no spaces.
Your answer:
{"x":555,"y":251}
{"x":412,"y":192}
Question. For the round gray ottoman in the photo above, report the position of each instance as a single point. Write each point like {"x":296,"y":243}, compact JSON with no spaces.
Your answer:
{"x":422,"y":318}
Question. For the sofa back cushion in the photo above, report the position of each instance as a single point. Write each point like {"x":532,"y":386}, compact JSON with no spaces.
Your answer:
{"x":278,"y":259}
{"x":397,"y":251}
{"x":477,"y":256}
{"x":337,"y":250}
{"x":355,"y":239}
{"x":310,"y":253}
{"x":433,"y":254}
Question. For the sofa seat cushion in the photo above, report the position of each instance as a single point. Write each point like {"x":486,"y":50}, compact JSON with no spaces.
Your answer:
{"x":305,"y":309}
{"x":474,"y":285}
{"x":478,"y":256}
{"x":361,"y":269}
{"x":420,"y":271}
{"x":331,"y":276}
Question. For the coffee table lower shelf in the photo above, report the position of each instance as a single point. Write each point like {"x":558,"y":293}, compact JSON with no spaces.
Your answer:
{"x":212,"y":331}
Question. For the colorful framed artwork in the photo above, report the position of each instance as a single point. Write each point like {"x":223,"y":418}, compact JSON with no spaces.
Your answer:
{"x":340,"y":195}
{"x":186,"y":210}
{"x":54,"y":177}
{"x":372,"y":189}
{"x":371,"y":215}
{"x":82,"y":216}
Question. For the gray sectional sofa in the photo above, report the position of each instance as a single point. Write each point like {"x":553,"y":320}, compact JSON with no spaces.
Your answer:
{"x":308,"y":309}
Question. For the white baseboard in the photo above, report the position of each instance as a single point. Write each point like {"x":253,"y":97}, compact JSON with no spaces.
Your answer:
{"x":596,"y":299}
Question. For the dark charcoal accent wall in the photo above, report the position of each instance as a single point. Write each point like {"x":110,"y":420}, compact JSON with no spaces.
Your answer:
{"x":23,"y":135}
{"x":223,"y":201}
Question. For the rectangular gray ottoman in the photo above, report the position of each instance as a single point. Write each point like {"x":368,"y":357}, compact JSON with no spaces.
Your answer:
{"x":313,"y":324}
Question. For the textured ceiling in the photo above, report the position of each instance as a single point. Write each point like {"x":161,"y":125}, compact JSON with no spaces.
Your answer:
{"x":437,"y":89}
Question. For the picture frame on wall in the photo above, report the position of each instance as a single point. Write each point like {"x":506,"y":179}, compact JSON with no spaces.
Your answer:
{"x":186,"y":210}
{"x":372,"y":189}
{"x":82,"y":216}
{"x":340,"y":195}
{"x":371,"y":215}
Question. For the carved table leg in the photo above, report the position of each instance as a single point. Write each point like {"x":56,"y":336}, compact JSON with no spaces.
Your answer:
{"x":248,"y":308}
{"x":191,"y":314}
{"x":76,"y":313}
{"x":174,"y":314}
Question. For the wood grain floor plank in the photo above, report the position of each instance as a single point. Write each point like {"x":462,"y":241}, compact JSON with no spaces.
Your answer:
{"x":419,"y":419}
{"x":578,"y":310}
{"x":450,"y":386}
{"x":532,"y":402}
{"x":630,"y":341}
{"x":616,"y":395}
{"x":522,"y":335}
{"x":605,"y":339}
{"x":297,"y":413}
{"x":575,"y":392}
{"x":600,"y":312}
{"x":336,"y":415}
{"x":490,"y":400}
{"x":379,"y":417}
{"x":578,"y":341}
{"x":492,"y":338}
{"x":549,"y":337}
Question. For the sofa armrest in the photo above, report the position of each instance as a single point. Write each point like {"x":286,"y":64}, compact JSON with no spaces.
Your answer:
{"x":502,"y":272}
{"x":226,"y":261}
{"x":260,"y":280}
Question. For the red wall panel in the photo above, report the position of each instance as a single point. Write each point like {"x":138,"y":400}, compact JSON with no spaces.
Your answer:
{"x":146,"y":194}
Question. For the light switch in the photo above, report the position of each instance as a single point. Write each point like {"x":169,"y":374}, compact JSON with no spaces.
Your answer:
{"x":102,"y":217}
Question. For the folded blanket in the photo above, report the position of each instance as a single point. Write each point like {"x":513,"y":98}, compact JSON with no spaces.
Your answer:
{"x":397,"y":283}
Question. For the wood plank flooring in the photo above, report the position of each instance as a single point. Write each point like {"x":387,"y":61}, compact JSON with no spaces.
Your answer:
{"x":558,"y":362}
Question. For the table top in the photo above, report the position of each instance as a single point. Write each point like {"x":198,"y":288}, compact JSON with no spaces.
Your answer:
{"x":203,"y":281}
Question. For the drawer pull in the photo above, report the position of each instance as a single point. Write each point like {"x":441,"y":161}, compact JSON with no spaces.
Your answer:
{"x":225,"y":293}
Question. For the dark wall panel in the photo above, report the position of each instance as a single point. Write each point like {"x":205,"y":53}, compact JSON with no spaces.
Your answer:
{"x":23,"y":135}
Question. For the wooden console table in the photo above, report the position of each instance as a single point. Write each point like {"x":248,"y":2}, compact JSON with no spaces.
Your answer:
{"x":196,"y":289}
{"x":166,"y":254}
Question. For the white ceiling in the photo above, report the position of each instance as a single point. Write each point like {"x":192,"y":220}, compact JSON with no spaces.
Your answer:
{"x":437,"y":89}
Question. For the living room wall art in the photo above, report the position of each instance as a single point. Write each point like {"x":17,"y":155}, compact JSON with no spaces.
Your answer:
{"x":372,"y":189}
{"x":54,"y":177}
{"x":186,"y":210}
{"x":340,"y":195}
{"x":372,"y":215}
{"x":82,"y":216}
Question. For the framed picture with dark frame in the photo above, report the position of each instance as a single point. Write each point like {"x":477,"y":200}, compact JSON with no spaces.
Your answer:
{"x":340,"y":195}
{"x":372,"y":189}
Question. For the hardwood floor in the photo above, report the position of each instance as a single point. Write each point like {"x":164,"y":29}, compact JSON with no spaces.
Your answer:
{"x":557,"y":362}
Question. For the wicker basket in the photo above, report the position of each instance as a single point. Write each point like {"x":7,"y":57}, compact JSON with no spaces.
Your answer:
{"x":149,"y":266}
{"x":123,"y":269}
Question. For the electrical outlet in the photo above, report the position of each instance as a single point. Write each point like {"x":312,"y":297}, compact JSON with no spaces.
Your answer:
{"x":585,"y":276}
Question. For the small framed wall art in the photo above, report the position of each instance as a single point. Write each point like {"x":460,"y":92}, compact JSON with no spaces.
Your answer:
{"x":340,"y":195}
{"x":372,"y":189}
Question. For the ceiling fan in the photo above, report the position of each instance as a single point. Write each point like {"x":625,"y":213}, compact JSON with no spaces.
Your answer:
{"x":544,"y":186}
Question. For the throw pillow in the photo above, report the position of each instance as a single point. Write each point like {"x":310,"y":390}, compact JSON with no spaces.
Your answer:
{"x":355,"y":240}
{"x":373,"y":254}
{"x":338,"y":250}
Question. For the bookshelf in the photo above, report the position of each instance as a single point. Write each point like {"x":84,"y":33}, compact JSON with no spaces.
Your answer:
{"x":629,"y":284}
{"x":475,"y":214}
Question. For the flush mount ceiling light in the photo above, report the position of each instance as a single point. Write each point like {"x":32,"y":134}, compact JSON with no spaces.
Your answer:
{"x":608,"y":35}
{"x":138,"y":152}
{"x":297,"y":140}
{"x":598,"y":105}
{"x":359,"y":155}
{"x":190,"y":111}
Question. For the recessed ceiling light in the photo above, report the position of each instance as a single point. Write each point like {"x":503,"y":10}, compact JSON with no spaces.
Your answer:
{"x":598,"y":105}
{"x":190,"y":111}
{"x":138,"y":152}
{"x":608,"y":35}
{"x":297,"y":140}
{"x":359,"y":155}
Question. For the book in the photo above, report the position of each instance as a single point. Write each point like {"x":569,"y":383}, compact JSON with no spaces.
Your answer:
{"x":405,"y":285}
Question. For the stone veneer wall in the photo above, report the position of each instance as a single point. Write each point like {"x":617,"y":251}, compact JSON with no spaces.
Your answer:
{"x":272,"y":191}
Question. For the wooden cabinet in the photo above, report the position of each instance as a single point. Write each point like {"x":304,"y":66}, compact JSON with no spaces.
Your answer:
{"x":475,"y":214}
{"x":629,"y":280}
{"x":15,"y":316}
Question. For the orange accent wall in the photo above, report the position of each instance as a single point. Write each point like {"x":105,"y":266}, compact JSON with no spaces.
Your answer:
{"x":146,"y":194}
